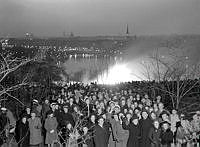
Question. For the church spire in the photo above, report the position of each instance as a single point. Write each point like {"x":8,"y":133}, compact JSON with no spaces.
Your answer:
{"x":127,"y":30}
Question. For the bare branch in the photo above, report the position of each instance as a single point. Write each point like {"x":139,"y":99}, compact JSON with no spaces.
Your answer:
{"x":15,"y":98}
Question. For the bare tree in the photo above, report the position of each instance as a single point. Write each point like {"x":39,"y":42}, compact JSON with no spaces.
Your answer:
{"x":8,"y":65}
{"x":77,"y":137}
{"x":175,"y":76}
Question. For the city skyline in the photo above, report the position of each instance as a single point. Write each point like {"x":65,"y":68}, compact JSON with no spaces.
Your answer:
{"x":99,"y":17}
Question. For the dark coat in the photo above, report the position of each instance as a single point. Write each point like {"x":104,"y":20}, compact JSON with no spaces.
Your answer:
{"x":107,"y":127}
{"x":100,"y":137}
{"x":91,"y":127}
{"x":79,"y":103}
{"x":67,"y":117}
{"x":65,"y":133}
{"x":134,"y":134}
{"x":166,"y":137}
{"x":22,"y":134}
{"x":71,"y":108}
{"x":154,"y":136}
{"x":45,"y":109}
{"x":145,"y":126}
{"x":87,"y":109}
{"x":58,"y":114}
{"x":3,"y":122}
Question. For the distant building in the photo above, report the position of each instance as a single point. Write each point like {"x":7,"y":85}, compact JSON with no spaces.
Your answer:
{"x":29,"y":36}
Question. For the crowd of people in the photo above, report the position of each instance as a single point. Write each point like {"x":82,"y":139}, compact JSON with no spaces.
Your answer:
{"x":96,"y":116}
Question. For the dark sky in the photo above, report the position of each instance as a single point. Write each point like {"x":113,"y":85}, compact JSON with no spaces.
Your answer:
{"x":99,"y":17}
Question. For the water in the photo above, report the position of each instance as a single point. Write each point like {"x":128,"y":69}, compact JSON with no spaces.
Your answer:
{"x":101,"y":69}
{"x":85,"y":67}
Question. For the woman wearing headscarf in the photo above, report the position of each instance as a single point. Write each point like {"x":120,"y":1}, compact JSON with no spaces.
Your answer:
{"x":22,"y":134}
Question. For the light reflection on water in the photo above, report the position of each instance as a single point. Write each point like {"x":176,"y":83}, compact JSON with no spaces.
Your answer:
{"x":85,"y":67}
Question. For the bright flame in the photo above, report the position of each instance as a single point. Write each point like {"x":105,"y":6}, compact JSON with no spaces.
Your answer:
{"x":116,"y":74}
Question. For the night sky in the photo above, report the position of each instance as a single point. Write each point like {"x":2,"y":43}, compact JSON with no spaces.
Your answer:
{"x":99,"y":17}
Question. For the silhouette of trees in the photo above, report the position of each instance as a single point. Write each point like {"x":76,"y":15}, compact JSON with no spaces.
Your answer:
{"x":175,"y":77}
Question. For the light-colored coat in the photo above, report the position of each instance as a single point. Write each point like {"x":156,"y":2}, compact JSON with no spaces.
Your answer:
{"x":51,"y":124}
{"x":122,"y":135}
{"x":35,"y":131}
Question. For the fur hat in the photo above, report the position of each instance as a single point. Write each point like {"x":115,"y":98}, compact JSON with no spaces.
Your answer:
{"x":165,"y":122}
{"x":134,"y":117}
{"x":49,"y":112}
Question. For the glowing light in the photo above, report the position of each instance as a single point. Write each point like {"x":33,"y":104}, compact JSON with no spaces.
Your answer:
{"x":116,"y":74}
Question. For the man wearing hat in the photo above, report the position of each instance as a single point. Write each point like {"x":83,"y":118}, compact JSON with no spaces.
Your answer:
{"x":134,"y":131}
{"x":164,"y":116}
{"x":166,"y":134}
{"x":146,"y":125}
{"x":45,"y":108}
{"x":88,"y":107}
{"x":37,"y":107}
{"x":71,"y":104}
{"x":66,"y":116}
{"x":35,"y":102}
{"x":26,"y":111}
{"x":100,"y":137}
{"x":154,"y":134}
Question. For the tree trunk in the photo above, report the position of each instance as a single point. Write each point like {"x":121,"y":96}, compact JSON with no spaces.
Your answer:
{"x":177,"y":93}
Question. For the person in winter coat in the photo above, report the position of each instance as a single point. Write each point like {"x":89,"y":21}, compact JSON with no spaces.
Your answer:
{"x":181,"y":135}
{"x":35,"y":129}
{"x":121,"y":134}
{"x":4,"y":123}
{"x":166,"y":135}
{"x":145,"y":126}
{"x":22,"y":132}
{"x":67,"y":117}
{"x":100,"y":137}
{"x":154,"y":134}
{"x":69,"y":136}
{"x":107,"y":127}
{"x":45,"y":108}
{"x":174,"y":118}
{"x":51,"y":129}
{"x":91,"y":125}
{"x":85,"y":138}
{"x":26,"y":111}
{"x":113,"y":136}
{"x":134,"y":131}
{"x":64,"y":132}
